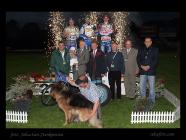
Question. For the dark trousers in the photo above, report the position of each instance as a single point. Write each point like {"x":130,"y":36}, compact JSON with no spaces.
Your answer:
{"x":115,"y":77}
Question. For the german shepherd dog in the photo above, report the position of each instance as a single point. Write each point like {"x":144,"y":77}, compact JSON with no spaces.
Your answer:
{"x":74,"y":105}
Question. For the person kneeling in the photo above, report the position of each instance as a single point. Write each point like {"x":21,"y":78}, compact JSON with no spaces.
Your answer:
{"x":90,"y":91}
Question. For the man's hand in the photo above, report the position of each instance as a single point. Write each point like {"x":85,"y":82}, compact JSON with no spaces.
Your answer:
{"x":88,"y":116}
{"x":102,"y":75}
{"x":145,"y":68}
{"x":52,"y":73}
{"x":69,"y":79}
{"x":122,"y":77}
{"x":136,"y":72}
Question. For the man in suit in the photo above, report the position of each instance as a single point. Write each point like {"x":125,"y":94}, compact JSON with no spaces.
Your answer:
{"x":96,"y":66}
{"x":83,"y":58}
{"x":147,"y":60}
{"x":60,"y":60}
{"x":131,"y":68}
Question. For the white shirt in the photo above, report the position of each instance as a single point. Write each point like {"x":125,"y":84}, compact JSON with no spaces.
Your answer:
{"x":128,"y":50}
{"x":94,"y":52}
{"x":62,"y":54}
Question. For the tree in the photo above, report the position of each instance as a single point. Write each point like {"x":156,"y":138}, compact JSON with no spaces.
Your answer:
{"x":31,"y":36}
{"x":12,"y":34}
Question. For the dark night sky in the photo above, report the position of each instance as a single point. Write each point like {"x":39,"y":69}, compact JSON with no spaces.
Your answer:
{"x":42,"y":17}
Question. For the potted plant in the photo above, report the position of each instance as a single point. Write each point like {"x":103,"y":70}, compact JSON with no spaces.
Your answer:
{"x":20,"y":93}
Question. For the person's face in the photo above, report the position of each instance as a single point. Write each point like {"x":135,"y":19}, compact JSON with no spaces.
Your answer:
{"x":61,"y":46}
{"x":94,"y":46}
{"x":148,"y":42}
{"x":128,"y":44}
{"x":106,"y":19}
{"x":83,"y":85}
{"x":87,"y":21}
{"x":71,"y":22}
{"x":81,"y":44}
{"x":114,"y":47}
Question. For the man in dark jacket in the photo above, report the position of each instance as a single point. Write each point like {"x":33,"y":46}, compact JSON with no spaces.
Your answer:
{"x":147,"y":60}
{"x":96,"y":65}
{"x":60,"y":60}
{"x":116,"y":68}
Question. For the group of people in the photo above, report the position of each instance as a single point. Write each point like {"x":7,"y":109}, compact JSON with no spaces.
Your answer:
{"x":89,"y":32}
{"x":99,"y":59}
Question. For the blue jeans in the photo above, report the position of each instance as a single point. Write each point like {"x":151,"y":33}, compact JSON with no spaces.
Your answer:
{"x":143,"y":84}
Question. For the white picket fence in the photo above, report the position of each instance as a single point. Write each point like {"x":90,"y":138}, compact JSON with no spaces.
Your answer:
{"x":152,"y":117}
{"x":16,"y":116}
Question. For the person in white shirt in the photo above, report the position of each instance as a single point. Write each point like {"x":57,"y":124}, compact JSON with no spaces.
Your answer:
{"x":73,"y":63}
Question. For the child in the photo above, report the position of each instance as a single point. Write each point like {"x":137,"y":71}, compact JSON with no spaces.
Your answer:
{"x":73,"y":63}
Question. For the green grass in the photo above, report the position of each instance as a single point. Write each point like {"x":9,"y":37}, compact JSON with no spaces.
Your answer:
{"x":115,"y":115}
{"x":169,"y":69}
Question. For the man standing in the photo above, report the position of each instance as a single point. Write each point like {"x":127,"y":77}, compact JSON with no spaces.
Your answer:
{"x":147,"y":60}
{"x":131,"y":68}
{"x":60,"y":60}
{"x":88,"y":30}
{"x":105,"y":30}
{"x":83,"y":58}
{"x":71,"y":33}
{"x":115,"y":64}
{"x":96,"y":65}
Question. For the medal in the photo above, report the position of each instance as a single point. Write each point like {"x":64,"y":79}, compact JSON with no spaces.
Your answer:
{"x":64,"y":62}
{"x":112,"y":65}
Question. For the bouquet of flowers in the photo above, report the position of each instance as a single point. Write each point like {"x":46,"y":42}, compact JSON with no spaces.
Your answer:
{"x":143,"y":104}
{"x":159,"y":87}
{"x":37,"y":77}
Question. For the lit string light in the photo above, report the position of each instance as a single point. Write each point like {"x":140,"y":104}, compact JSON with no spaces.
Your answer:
{"x":55,"y":26}
{"x":93,"y":18}
{"x":120,"y":23}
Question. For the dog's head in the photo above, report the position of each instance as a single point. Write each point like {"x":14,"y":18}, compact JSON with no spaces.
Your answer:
{"x":59,"y":88}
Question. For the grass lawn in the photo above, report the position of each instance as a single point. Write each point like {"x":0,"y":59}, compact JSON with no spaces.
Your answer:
{"x":115,"y":115}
